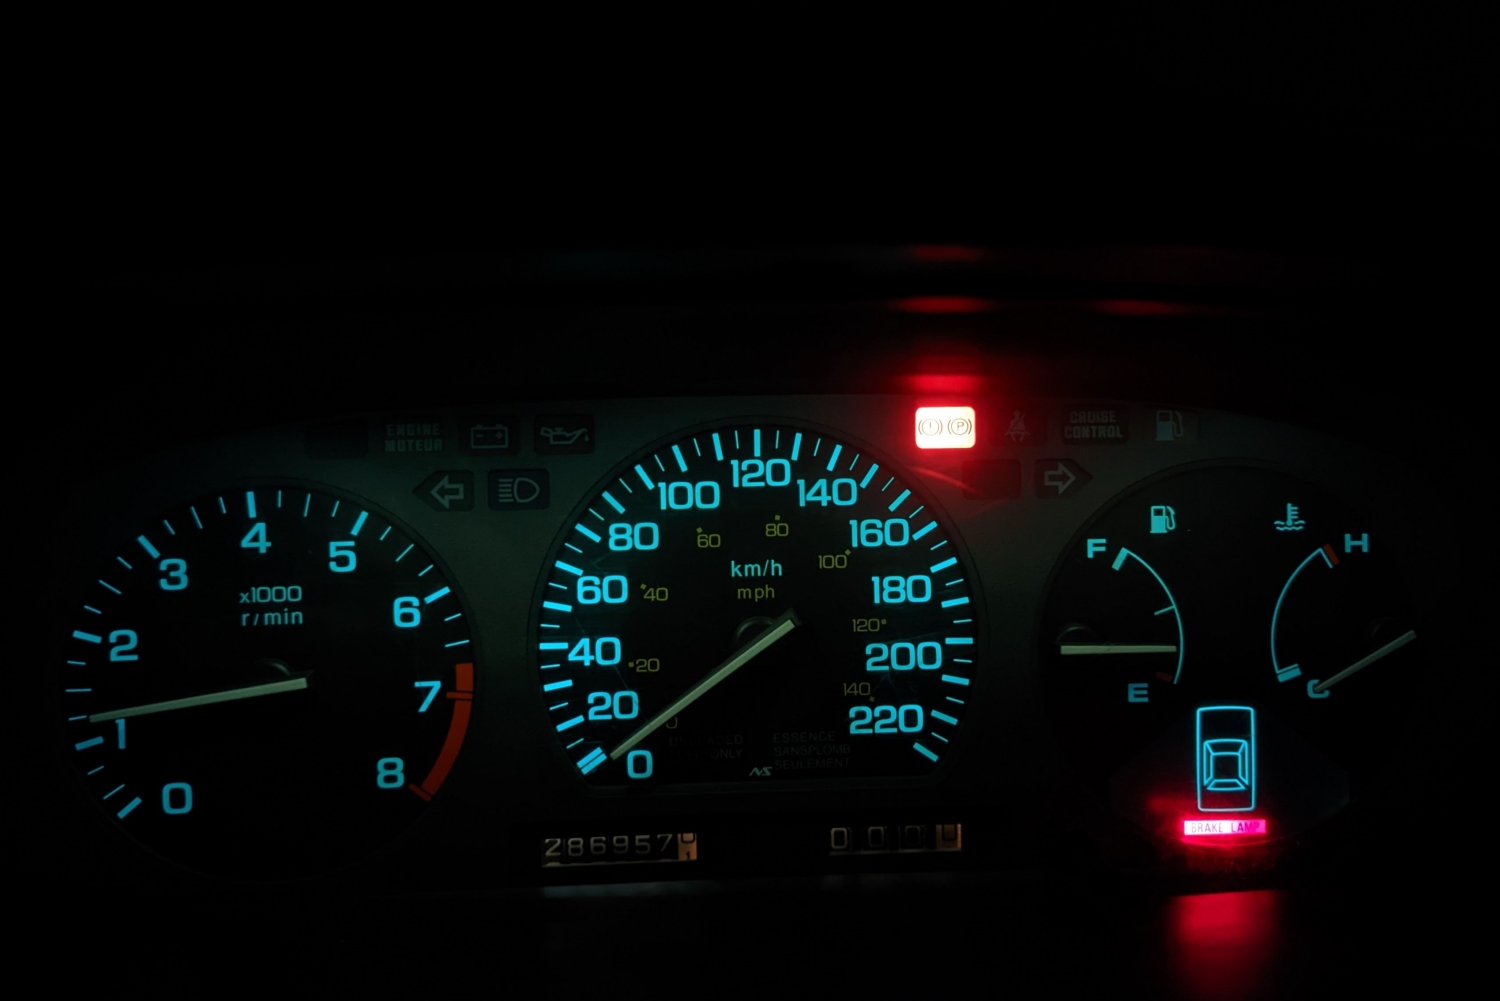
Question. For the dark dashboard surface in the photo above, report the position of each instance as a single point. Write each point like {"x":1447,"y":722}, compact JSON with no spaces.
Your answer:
{"x":1095,"y":376}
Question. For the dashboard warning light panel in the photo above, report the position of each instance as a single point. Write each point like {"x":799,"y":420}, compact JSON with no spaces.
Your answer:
{"x":945,"y":427}
{"x":1240,"y":825}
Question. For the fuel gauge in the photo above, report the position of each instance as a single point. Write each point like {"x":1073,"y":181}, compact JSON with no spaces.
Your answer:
{"x":1223,"y":650}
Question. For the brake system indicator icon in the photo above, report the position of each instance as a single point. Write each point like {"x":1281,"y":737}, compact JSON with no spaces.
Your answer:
{"x":1225,"y":758}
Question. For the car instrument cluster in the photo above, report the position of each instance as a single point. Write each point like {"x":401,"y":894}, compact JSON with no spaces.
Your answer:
{"x":605,"y":638}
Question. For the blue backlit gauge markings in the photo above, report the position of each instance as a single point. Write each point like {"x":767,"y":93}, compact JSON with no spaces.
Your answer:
{"x":752,"y":603}
{"x":1228,"y":640}
{"x":268,"y":682}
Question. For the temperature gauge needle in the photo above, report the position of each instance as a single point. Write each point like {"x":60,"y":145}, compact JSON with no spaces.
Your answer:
{"x":230,"y":695}
{"x":780,"y":626}
{"x":1077,"y":649}
{"x":1385,"y":651}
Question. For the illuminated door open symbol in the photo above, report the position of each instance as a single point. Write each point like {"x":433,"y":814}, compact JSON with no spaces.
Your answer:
{"x":1225,"y":756}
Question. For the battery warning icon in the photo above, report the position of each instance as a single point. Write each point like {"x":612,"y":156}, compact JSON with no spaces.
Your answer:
{"x":1225,"y":758}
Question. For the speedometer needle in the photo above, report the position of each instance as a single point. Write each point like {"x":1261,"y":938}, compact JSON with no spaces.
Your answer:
{"x":780,"y":626}
{"x":249,"y":692}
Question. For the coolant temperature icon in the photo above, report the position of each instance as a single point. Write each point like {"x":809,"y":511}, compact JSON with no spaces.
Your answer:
{"x":1226,"y":758}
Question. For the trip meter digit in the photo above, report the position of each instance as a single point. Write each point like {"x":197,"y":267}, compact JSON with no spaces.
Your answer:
{"x":756,"y":602}
{"x":267,"y":682}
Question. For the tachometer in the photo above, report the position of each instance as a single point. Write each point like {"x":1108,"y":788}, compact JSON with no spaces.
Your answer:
{"x":268,"y":682}
{"x":756,"y":602}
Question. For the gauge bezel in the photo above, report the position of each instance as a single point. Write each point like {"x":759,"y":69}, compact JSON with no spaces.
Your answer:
{"x":1276,"y":844}
{"x":981,"y":623}
{"x":96,"y":808}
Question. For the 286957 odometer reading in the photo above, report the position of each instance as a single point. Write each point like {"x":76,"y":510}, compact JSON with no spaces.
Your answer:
{"x":756,"y":602}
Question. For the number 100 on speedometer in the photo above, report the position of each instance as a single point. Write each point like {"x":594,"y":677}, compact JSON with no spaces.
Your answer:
{"x":752,"y":603}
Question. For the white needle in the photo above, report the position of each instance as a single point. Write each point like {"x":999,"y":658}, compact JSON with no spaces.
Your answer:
{"x":1385,"y":651}
{"x":250,"y":692}
{"x":1074,"y":649}
{"x":780,"y":626}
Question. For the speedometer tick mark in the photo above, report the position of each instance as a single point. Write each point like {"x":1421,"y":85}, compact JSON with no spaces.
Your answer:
{"x":384,"y":534}
{"x":222,"y":508}
{"x":681,"y":462}
{"x":408,"y":549}
{"x":127,"y":566}
{"x":107,"y":587}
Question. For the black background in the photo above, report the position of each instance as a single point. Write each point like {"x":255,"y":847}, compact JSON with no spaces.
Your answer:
{"x":439,"y":236}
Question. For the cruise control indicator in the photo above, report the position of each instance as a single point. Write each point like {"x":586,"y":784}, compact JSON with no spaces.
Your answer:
{"x":756,"y":602}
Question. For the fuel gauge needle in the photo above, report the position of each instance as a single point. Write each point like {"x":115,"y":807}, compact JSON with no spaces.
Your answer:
{"x":780,"y":626}
{"x":1363,"y":662}
{"x":229,"y":695}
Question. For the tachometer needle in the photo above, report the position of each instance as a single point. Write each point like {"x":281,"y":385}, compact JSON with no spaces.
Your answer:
{"x":1385,"y":651}
{"x":249,"y":692}
{"x":780,"y":626}
{"x":1077,"y":649}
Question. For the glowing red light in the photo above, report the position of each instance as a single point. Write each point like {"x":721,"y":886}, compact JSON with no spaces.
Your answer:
{"x":942,"y":304}
{"x":1217,"y":826}
{"x":945,"y":427}
{"x":1224,"y":944}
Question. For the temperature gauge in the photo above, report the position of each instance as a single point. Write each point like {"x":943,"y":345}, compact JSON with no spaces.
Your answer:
{"x":1225,"y":649}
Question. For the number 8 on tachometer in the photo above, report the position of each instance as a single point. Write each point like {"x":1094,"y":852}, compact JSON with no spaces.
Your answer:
{"x":756,"y":602}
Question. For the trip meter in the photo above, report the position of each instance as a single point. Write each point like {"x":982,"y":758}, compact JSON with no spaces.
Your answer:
{"x":754,"y":602}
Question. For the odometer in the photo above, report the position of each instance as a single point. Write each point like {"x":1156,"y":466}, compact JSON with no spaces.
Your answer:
{"x":756,"y":602}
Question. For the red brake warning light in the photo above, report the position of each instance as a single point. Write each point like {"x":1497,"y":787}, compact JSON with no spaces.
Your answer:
{"x":945,"y":427}
{"x":1216,"y":826}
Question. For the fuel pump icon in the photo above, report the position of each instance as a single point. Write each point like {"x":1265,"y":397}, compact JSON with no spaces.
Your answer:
{"x":1168,"y":425}
{"x":1163,"y":519}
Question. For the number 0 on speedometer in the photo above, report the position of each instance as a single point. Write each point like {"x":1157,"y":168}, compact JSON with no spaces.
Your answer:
{"x":753,"y":603}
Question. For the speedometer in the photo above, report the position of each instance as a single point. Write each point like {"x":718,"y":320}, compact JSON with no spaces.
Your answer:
{"x":756,"y":602}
